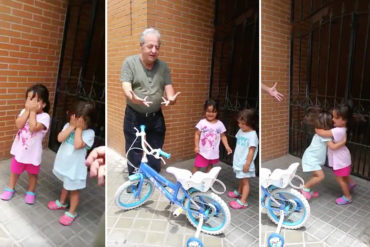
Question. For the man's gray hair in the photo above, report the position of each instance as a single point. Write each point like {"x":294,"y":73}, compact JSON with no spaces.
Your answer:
{"x":147,"y":31}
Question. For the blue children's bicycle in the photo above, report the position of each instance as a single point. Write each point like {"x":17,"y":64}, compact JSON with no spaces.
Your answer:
{"x":286,"y":207}
{"x":205,"y":210}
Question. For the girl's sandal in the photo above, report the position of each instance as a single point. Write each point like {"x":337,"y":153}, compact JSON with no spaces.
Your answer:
{"x":342,"y":201}
{"x":29,"y":198}
{"x":67,"y":218}
{"x":238,"y":204}
{"x":55,"y":205}
{"x":233,"y":194}
{"x":7,"y":194}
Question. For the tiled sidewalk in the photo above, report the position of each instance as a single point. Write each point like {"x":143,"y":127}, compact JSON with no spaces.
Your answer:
{"x":153,"y":224}
{"x":36,"y":225}
{"x":329,"y":224}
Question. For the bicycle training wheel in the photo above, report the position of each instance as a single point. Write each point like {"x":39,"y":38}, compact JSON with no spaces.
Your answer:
{"x":275,"y":240}
{"x":295,"y":206}
{"x":128,"y":197}
{"x":217,"y":214}
{"x":194,"y":242}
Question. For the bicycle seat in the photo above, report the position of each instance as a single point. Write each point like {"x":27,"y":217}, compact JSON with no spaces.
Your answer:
{"x":201,"y":181}
{"x":279,"y":177}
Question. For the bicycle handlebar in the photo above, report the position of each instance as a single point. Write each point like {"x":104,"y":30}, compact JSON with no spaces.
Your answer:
{"x":164,"y":154}
{"x":147,"y":148}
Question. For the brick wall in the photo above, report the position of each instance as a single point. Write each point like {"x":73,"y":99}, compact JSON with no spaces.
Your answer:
{"x":187,"y":30}
{"x":125,"y":24}
{"x":31,"y":34}
{"x":275,"y":62}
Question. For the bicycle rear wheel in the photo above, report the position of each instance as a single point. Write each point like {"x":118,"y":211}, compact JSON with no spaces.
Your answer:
{"x":295,"y":206}
{"x":217,"y":214}
{"x":128,"y":197}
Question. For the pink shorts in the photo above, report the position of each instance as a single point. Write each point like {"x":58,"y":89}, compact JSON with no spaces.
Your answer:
{"x":200,"y":161}
{"x":344,"y":172}
{"x":17,"y":167}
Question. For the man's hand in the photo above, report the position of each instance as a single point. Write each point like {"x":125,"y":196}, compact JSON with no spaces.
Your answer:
{"x":170,"y":100}
{"x":96,"y":161}
{"x":274,"y":93}
{"x":139,"y":101}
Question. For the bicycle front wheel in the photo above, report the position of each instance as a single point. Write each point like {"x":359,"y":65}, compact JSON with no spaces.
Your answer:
{"x":128,"y":197}
{"x":295,"y":206}
{"x":217,"y":214}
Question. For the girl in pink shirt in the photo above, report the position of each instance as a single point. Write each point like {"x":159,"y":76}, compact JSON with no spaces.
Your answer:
{"x":208,"y":134}
{"x":32,"y":123}
{"x":340,"y":159}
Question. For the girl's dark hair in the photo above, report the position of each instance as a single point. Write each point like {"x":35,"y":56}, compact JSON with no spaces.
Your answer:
{"x":85,"y":109}
{"x":344,"y":111}
{"x":210,"y":102}
{"x":248,"y":116}
{"x":42,"y":93}
{"x":318,"y":118}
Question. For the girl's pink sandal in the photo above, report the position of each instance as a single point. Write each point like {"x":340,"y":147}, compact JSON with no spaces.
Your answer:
{"x":30,"y":197}
{"x":55,"y":205}
{"x":342,"y":201}
{"x":238,"y":204}
{"x":67,"y":218}
{"x":7,"y":194}
{"x":233,"y":194}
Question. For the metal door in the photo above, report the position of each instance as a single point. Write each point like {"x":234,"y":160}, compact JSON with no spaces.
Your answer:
{"x":234,"y":73}
{"x":82,"y":66}
{"x":330,"y":64}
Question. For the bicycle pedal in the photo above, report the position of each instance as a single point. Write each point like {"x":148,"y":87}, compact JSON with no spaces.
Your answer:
{"x":177,"y":212}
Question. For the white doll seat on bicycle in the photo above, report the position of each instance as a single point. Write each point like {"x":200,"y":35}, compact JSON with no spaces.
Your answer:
{"x":200,"y":180}
{"x":279,"y":177}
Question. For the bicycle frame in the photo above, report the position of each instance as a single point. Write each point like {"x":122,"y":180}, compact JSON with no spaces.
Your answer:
{"x":160,"y":182}
{"x":267,"y":194}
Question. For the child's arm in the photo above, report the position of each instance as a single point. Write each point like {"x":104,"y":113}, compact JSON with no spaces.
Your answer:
{"x":78,"y":142}
{"x":337,"y":145}
{"x":226,"y":144}
{"x":35,"y":126}
{"x":21,"y":120}
{"x":249,"y":158}
{"x":63,"y":135}
{"x":324,"y":133}
{"x":196,"y":141}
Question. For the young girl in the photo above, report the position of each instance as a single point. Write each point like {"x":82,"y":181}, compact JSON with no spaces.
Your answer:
{"x":315,"y":155}
{"x":32,"y":123}
{"x":340,"y":159}
{"x":69,"y":166}
{"x":208,"y":133}
{"x":244,"y":156}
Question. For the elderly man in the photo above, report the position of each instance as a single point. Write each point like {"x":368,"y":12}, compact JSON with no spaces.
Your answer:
{"x":144,"y":80}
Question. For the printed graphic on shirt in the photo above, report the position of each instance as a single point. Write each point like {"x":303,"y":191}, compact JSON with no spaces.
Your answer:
{"x":242,"y":141}
{"x":24,"y":136}
{"x":210,"y":137}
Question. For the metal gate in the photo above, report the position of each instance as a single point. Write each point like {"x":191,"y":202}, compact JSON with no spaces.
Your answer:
{"x":330,"y":64}
{"x":234,"y":72}
{"x":82,"y":66}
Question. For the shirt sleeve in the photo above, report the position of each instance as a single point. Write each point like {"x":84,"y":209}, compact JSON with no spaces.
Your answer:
{"x":338,"y":134}
{"x":199,"y":125}
{"x":253,"y":140}
{"x":44,"y":119}
{"x":126,"y":72}
{"x":65,"y":126}
{"x":167,"y":76}
{"x":325,"y":139}
{"x":222,"y":127}
{"x":88,"y":137}
{"x":21,"y":113}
